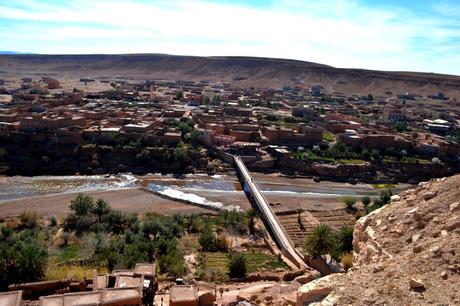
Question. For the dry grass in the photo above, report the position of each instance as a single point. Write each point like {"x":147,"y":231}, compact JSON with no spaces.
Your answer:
{"x":29,"y":219}
{"x":347,"y":261}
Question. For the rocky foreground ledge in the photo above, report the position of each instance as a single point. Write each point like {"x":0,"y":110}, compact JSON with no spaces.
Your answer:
{"x":406,"y":253}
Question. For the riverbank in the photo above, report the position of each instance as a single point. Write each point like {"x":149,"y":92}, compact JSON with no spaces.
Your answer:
{"x":170,"y":194}
{"x":127,"y":200}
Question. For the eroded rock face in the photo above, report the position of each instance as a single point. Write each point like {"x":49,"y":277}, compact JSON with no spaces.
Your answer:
{"x":405,"y":253}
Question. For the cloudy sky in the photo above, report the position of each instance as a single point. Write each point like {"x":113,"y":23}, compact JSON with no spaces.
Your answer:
{"x":416,"y":35}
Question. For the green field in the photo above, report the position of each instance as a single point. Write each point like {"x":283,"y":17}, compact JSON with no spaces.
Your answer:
{"x":384,"y":186}
{"x":328,"y":136}
{"x":254,"y":262}
{"x":351,"y":161}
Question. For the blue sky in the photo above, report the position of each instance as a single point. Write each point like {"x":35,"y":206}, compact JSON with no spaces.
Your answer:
{"x":422,"y":35}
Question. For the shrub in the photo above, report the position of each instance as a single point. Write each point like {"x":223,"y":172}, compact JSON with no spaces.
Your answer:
{"x":375,"y":205}
{"x":349,"y":202}
{"x":28,"y":219}
{"x":115,"y":220}
{"x":82,"y":204}
{"x":223,"y":244}
{"x":237,"y":265}
{"x":207,"y":239}
{"x":22,"y":258}
{"x":251,"y":216}
{"x":385,"y":196}
{"x":366,"y":201}
{"x":172,"y":261}
{"x":347,"y":261}
{"x":134,"y":253}
{"x":321,"y":241}
{"x":100,"y":208}
{"x":77,"y":223}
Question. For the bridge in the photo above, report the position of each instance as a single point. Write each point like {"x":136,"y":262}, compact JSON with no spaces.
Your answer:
{"x":274,"y":226}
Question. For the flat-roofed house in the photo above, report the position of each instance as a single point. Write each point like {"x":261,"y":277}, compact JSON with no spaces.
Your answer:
{"x":12,"y":298}
{"x":183,"y":295}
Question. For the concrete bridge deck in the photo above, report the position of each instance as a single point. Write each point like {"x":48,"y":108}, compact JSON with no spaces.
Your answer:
{"x":276,"y":230}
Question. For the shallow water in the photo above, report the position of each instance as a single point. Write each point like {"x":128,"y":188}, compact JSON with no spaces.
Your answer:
{"x":19,"y":187}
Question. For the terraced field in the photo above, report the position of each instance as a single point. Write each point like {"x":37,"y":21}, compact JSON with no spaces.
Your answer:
{"x":254,"y":262}
{"x":299,"y":229}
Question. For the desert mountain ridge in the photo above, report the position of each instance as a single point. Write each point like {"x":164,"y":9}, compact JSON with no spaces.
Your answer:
{"x":239,"y":71}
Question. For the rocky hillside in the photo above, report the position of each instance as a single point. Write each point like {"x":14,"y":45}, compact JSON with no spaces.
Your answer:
{"x":241,"y":71}
{"x":406,"y":253}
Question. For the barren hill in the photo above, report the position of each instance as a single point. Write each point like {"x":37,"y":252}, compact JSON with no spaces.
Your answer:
{"x":406,"y":253}
{"x":241,"y":71}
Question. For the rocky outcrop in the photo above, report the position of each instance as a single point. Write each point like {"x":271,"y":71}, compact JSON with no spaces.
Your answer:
{"x":406,"y":253}
{"x":316,"y":291}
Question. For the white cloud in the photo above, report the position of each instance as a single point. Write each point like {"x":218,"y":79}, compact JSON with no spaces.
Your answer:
{"x":339,"y":33}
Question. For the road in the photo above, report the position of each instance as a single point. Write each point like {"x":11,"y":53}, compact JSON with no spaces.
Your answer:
{"x":277,"y":230}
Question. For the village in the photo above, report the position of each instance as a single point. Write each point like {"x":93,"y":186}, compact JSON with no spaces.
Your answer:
{"x":404,"y":137}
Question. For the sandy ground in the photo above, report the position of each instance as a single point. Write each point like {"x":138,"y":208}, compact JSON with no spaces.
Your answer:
{"x":280,"y":202}
{"x":129,"y":200}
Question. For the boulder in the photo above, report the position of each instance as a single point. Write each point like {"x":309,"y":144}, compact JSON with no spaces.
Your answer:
{"x":416,"y":284}
{"x":429,"y":195}
{"x":316,"y":290}
{"x":306,"y":278}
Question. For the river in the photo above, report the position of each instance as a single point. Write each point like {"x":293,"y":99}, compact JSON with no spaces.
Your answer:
{"x":200,"y":189}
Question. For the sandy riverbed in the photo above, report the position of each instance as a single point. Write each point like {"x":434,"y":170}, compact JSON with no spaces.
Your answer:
{"x":127,"y":200}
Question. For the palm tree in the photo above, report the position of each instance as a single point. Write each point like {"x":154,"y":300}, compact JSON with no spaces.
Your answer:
{"x":321,"y":241}
{"x":345,"y":239}
{"x":101,"y":208}
{"x":251,"y":216}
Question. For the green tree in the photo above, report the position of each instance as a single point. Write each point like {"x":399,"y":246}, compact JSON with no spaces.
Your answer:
{"x":172,"y":261}
{"x":185,"y":128}
{"x":237,"y":265}
{"x":181,"y":153}
{"x":195,"y":137}
{"x":375,"y":154}
{"x":115,"y":221}
{"x":143,"y":156}
{"x":82,"y":204}
{"x":321,"y":241}
{"x":400,"y":126}
{"x":365,"y":154}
